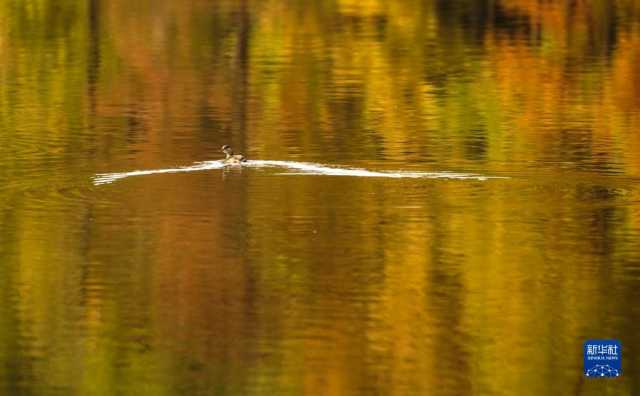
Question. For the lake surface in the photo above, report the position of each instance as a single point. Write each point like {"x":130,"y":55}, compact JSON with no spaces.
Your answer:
{"x":443,"y":197}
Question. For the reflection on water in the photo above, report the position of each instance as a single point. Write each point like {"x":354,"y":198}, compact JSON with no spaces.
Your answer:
{"x":423,"y":278}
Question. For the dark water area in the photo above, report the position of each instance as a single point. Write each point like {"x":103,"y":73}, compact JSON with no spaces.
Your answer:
{"x":454,"y":209}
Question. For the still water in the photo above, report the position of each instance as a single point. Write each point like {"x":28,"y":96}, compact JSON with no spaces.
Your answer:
{"x":443,"y":196}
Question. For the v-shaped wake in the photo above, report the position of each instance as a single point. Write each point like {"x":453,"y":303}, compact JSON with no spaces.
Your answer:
{"x":296,"y":168}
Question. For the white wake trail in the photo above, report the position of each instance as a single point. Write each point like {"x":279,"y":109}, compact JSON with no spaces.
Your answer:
{"x":106,"y":178}
{"x":302,"y":168}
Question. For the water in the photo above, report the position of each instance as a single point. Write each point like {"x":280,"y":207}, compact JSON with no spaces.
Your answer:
{"x":441,"y":196}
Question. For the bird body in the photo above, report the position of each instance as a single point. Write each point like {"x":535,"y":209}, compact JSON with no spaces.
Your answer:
{"x":232,"y":159}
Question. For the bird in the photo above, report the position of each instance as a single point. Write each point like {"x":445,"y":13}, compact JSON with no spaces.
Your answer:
{"x":232,"y":159}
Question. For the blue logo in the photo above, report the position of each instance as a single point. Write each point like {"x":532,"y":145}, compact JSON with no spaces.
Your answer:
{"x":602,"y":358}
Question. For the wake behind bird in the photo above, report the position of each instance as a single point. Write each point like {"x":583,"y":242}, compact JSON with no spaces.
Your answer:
{"x":297,"y":168}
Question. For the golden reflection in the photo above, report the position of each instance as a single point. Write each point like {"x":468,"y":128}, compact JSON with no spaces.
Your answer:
{"x":251,"y":282}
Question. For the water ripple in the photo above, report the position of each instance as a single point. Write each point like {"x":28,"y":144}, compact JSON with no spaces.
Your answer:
{"x":299,"y":168}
